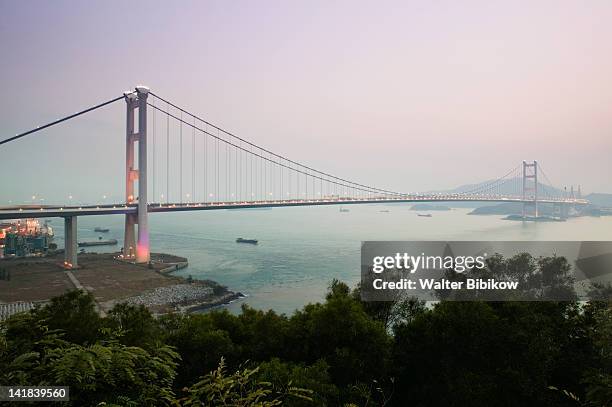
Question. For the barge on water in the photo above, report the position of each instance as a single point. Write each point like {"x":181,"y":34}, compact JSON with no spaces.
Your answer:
{"x":248,"y":241}
{"x":110,"y":242}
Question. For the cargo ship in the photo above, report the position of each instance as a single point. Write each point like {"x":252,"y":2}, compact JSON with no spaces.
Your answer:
{"x":249,"y":241}
{"x":101,"y":230}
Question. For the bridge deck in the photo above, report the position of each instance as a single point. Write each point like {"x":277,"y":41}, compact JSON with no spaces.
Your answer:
{"x":121,"y":209}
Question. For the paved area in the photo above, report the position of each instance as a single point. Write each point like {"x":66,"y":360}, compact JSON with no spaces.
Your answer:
{"x":39,"y":279}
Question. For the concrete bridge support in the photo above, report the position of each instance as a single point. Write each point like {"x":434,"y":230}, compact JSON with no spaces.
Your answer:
{"x":142,"y":247}
{"x":132,"y":249}
{"x":70,"y":242}
{"x":561,"y":210}
{"x":530,"y":188}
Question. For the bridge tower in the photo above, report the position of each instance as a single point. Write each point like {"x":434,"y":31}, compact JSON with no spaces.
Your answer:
{"x":530,"y":192}
{"x":139,"y":251}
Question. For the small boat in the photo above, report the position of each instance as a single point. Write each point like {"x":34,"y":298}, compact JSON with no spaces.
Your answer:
{"x":249,"y":241}
{"x":343,"y":209}
{"x":385,"y":211}
{"x":426,"y":215}
{"x":101,"y":230}
{"x":99,"y":242}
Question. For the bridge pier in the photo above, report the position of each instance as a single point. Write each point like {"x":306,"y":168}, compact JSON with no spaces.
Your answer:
{"x":129,"y":237}
{"x":561,"y":209}
{"x":70,"y":242}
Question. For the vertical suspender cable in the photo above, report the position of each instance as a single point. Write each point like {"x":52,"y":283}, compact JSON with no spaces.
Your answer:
{"x":193,"y":169}
{"x":181,"y":158}
{"x":153,"y":153}
{"x":227,"y":167}
{"x":217,"y":169}
{"x":205,"y":168}
{"x":167,"y":158}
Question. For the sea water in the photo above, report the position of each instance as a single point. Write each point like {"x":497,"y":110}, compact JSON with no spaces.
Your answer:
{"x":302,"y":249}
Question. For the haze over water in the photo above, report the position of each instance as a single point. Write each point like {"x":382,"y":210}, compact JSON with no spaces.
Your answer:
{"x":301,"y":250}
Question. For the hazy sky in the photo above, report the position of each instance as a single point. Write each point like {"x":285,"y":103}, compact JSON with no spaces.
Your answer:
{"x":405,"y":95}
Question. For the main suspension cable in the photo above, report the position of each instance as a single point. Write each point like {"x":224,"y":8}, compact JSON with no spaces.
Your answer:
{"x":269,"y":160}
{"x":63,"y":119}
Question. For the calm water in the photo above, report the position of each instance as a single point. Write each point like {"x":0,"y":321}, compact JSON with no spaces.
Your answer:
{"x":302,"y":249}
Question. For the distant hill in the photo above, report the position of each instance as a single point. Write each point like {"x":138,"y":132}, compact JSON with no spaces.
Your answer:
{"x":597,"y":200}
{"x":509,"y":187}
{"x":510,"y":208}
{"x":600,"y":199}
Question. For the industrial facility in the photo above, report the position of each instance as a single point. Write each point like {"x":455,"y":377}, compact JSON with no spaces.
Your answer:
{"x":25,"y":238}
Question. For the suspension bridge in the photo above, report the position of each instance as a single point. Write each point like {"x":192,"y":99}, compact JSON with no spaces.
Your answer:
{"x":216,"y":169}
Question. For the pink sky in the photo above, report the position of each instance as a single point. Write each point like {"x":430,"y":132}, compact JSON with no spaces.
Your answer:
{"x":405,"y":95}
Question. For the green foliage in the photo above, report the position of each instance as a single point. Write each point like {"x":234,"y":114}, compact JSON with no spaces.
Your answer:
{"x":339,"y":331}
{"x":75,"y":313}
{"x":104,"y":372}
{"x":402,"y":309}
{"x":199,"y":342}
{"x":598,"y":379}
{"x":136,"y":324}
{"x":241,"y":388}
{"x":343,"y":351}
{"x":537,"y":278}
{"x":286,"y":375}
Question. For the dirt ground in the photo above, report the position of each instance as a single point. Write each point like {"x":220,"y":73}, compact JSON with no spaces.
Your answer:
{"x":39,"y":279}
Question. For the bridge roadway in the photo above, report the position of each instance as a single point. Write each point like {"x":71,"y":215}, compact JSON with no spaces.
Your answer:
{"x":50,"y":211}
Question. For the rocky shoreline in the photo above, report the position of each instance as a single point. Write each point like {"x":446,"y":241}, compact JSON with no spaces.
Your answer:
{"x":191,"y":296}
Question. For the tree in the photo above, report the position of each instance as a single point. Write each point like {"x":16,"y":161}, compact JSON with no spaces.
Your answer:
{"x":339,"y":331}
{"x":134,"y":324}
{"x":403,"y":308}
{"x":199,"y":343}
{"x":102,"y":371}
{"x":598,"y":378}
{"x":75,"y":314}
